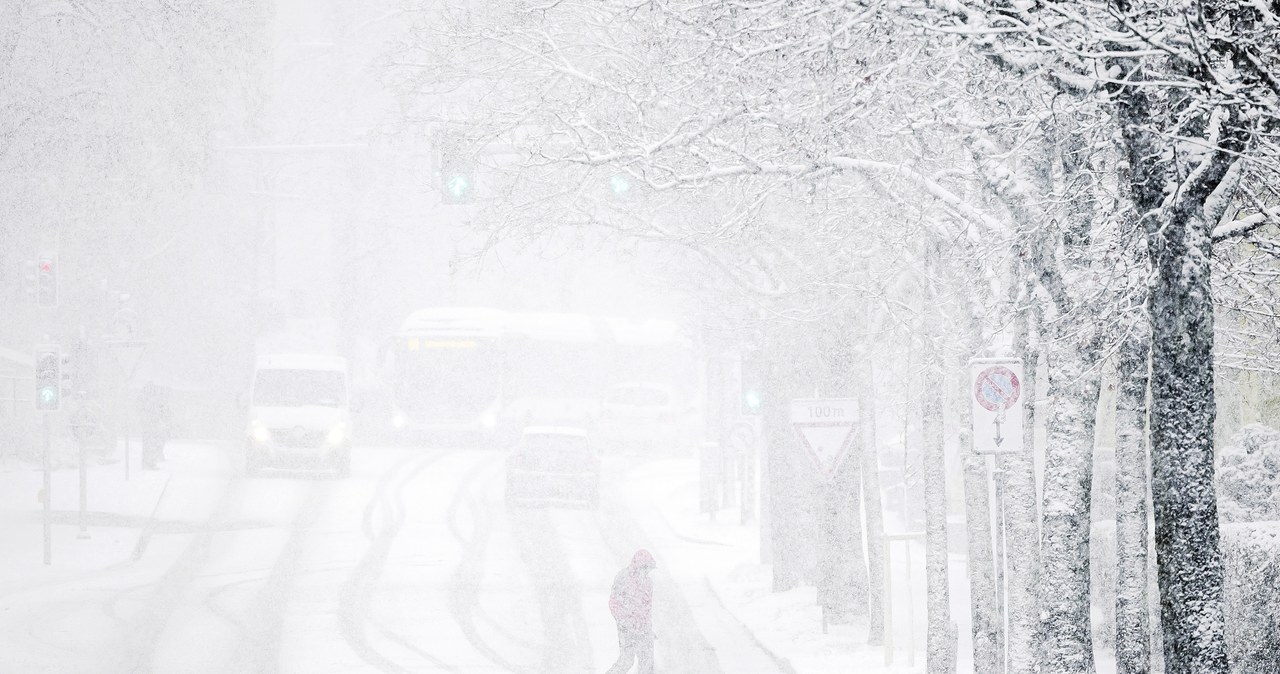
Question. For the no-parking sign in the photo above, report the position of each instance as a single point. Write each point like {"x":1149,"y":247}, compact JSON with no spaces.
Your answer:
{"x":997,"y":405}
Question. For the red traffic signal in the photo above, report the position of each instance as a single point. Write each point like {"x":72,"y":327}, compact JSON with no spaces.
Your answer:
{"x":47,"y":282}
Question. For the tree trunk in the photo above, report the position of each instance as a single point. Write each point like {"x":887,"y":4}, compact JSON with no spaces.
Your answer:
{"x":1133,"y":652}
{"x":1182,"y":416}
{"x":873,"y":511}
{"x":842,"y":589}
{"x":1066,"y":643}
{"x":942,"y":632}
{"x":1180,"y":303}
{"x":1022,"y":545}
{"x":783,"y":500}
{"x":1022,"y":521}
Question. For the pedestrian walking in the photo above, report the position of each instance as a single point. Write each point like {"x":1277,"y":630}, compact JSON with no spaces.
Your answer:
{"x":631,"y":603}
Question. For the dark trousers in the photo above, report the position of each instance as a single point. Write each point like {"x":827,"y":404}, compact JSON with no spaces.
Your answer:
{"x":634,"y":647}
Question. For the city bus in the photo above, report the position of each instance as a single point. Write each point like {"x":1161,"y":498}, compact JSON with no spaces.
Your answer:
{"x":446,"y":371}
{"x":490,"y":373}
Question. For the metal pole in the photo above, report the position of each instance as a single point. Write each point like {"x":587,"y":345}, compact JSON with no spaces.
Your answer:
{"x":125,"y":424}
{"x":888,"y":601}
{"x":48,"y":494}
{"x":84,"y":496}
{"x":999,"y":560}
{"x":911,"y":613}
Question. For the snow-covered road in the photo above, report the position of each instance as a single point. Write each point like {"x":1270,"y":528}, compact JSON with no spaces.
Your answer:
{"x":414,"y":564}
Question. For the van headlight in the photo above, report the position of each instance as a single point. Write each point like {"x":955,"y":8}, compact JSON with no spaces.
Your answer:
{"x":259,"y":433}
{"x":399,"y":421}
{"x":338,"y":434}
{"x":489,"y":420}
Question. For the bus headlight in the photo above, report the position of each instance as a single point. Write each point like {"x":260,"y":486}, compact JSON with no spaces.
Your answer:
{"x":259,"y":433}
{"x":338,"y":434}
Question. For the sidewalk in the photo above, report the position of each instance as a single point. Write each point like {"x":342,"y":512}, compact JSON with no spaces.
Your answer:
{"x":117,"y":514}
{"x":786,"y":624}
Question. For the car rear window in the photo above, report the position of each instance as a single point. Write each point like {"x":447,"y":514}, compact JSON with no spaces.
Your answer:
{"x":553,"y":452}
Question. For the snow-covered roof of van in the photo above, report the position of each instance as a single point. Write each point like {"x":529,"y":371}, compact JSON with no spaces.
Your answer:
{"x":301,"y":361}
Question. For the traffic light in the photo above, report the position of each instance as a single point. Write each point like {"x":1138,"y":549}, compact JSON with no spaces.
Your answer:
{"x":457,"y":169}
{"x":620,"y":185}
{"x":751,"y":376}
{"x":47,"y":281}
{"x":48,"y":379}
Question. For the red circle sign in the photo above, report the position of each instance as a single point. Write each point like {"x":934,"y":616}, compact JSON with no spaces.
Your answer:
{"x":996,"y":388}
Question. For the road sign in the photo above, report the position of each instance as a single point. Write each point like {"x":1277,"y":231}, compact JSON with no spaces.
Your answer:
{"x":84,"y":423}
{"x":997,"y":405}
{"x":827,"y":429}
{"x":128,"y":353}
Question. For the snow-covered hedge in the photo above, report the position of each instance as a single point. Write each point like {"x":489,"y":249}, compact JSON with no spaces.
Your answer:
{"x":1249,"y":505}
{"x":1249,"y":476}
{"x":1251,"y":560}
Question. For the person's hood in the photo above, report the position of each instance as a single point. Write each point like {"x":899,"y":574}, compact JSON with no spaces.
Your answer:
{"x":643,"y":559}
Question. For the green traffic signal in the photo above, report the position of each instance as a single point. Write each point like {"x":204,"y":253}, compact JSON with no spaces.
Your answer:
{"x":752,"y":400}
{"x":619,"y":185}
{"x":456,"y":166}
{"x":458,"y":187}
{"x":48,"y":379}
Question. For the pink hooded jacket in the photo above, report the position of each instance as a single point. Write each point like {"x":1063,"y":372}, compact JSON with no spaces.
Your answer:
{"x":631,"y":601}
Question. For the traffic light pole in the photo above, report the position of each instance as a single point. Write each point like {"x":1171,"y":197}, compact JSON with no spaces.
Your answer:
{"x":125,"y":425}
{"x":48,"y":493}
{"x":84,"y":495}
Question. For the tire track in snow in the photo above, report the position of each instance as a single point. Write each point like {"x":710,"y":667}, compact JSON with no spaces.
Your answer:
{"x":566,"y":643}
{"x":358,"y":590}
{"x":464,"y":587}
{"x":681,"y":644}
{"x":142,"y":635}
{"x":263,"y":627}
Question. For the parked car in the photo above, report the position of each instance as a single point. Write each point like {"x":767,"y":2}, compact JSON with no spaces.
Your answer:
{"x":553,"y":465}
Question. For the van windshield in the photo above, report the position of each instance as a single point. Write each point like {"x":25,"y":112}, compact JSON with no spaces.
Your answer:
{"x":296,"y":388}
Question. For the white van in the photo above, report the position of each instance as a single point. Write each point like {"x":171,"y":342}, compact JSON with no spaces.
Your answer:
{"x":299,"y":412}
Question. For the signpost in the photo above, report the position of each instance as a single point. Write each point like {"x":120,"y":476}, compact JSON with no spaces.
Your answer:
{"x":742,"y":443}
{"x":997,"y":405}
{"x":128,"y":353}
{"x":826,"y":427}
{"x":83,"y":425}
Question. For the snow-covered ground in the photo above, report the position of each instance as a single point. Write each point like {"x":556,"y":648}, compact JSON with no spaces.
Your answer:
{"x":413,"y":564}
{"x":787,"y":624}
